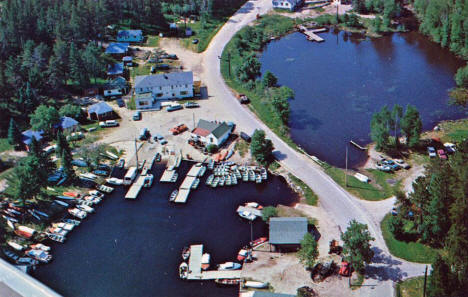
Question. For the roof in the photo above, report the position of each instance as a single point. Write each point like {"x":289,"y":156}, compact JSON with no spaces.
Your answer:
{"x":29,"y":134}
{"x":287,"y":230}
{"x":115,"y":69}
{"x":166,"y":79}
{"x":128,"y":33}
{"x":117,"y":48}
{"x":270,"y":294}
{"x":67,"y":122}
{"x":205,"y":128}
{"x":100,"y":108}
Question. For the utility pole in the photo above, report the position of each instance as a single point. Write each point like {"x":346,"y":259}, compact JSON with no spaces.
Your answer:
{"x":425,"y":280}
{"x":346,"y":170}
{"x":136,"y":154}
{"x":193,"y":119}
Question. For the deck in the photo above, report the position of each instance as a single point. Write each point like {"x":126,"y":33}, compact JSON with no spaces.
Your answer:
{"x":195,"y":171}
{"x":255,"y":211}
{"x":310,"y":33}
{"x":182,"y":196}
{"x":167,"y":176}
{"x":195,"y":272}
{"x":187,"y":183}
{"x":135,"y":188}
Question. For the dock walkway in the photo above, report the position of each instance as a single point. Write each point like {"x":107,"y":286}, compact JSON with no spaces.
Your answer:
{"x":182,"y":196}
{"x":168,"y":176}
{"x":310,"y":33}
{"x":135,"y":188}
{"x":195,"y":272}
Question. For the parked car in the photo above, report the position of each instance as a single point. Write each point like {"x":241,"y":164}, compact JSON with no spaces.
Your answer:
{"x":232,"y":125}
{"x":392,"y":164}
{"x":174,"y":107}
{"x":144,"y":134}
{"x":158,"y":137}
{"x":245,"y":136}
{"x":195,"y":41}
{"x":172,"y":57}
{"x":163,"y":66}
{"x":243,"y":99}
{"x":75,"y":136}
{"x":384,"y":168}
{"x":402,"y":164}
{"x":191,"y":105}
{"x":137,"y":116}
{"x":121,"y":163}
{"x":178,"y":129}
{"x":345,"y":269}
{"x":79,"y":163}
{"x":120,"y":102}
{"x":163,"y":141}
{"x":441,"y":154}
{"x":450,"y":147}
{"x":108,"y":123}
{"x":431,"y":152}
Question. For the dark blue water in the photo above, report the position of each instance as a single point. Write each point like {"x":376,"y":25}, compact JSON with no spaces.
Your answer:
{"x":341,"y":82}
{"x":132,"y":248}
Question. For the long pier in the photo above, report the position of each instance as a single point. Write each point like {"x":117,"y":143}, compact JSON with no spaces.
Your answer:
{"x":357,"y":145}
{"x":135,"y":188}
{"x":310,"y":33}
{"x":195,"y":272}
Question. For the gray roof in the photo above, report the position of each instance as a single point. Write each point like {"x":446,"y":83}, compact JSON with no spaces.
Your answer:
{"x":270,"y":294}
{"x":100,"y":108}
{"x":217,"y":129}
{"x":221,"y":130}
{"x":166,"y":79}
{"x":287,"y":230}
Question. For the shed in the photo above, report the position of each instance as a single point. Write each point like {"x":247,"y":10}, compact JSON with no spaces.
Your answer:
{"x":68,"y":124}
{"x":211,"y":132}
{"x":130,"y":36}
{"x":115,"y":70}
{"x":287,"y":232}
{"x":100,"y":111}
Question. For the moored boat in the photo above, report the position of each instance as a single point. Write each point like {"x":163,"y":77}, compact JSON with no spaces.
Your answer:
{"x":247,"y":215}
{"x":253,"y":205}
{"x":258,"y":179}
{"x":183,"y":270}
{"x":114,"y":181}
{"x":148,"y":180}
{"x":205,"y":261}
{"x":254,"y":284}
{"x":242,"y":255}
{"x":222,"y":180}
{"x":215,"y":182}
{"x":173,"y":195}
{"x":227,"y":281}
{"x":258,"y":241}
{"x":229,"y":266}
{"x":186,"y":253}
{"x":209,"y":180}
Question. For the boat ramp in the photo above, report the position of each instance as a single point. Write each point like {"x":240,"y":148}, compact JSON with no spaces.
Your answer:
{"x":252,"y":210}
{"x":196,"y":273}
{"x":311,"y":33}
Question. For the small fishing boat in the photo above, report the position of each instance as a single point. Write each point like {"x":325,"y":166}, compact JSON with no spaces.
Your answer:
{"x":96,"y":193}
{"x":148,"y":181}
{"x":228,"y":180}
{"x":114,"y":181}
{"x":264,"y":173}
{"x":222,"y":180}
{"x":238,"y":174}
{"x":39,"y":255}
{"x":205,"y":261}
{"x":66,"y":197}
{"x":16,"y":245}
{"x":258,"y":241}
{"x":245,"y":176}
{"x":253,"y":205}
{"x":234,"y":179}
{"x":258,"y":179}
{"x":173,"y":195}
{"x":202,"y":171}
{"x":211,"y":164}
{"x":251,"y":175}
{"x":56,"y":237}
{"x":86,"y":208}
{"x":105,"y":189}
{"x":254,"y":284}
{"x":185,"y":253}
{"x":40,"y":246}
{"x":215,"y":182}
{"x":61,"y":203}
{"x":71,"y":221}
{"x":242,"y":255}
{"x":229,"y":266}
{"x":209,"y":180}
{"x":158,"y":157}
{"x":183,"y":270}
{"x":195,"y":184}
{"x":227,"y":281}
{"x":71,"y":194}
{"x":78,"y":213}
{"x":247,"y":215}
{"x":174,"y":177}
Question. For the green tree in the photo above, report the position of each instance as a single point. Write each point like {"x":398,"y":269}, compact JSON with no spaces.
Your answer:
{"x":14,"y":134}
{"x":459,"y":96}
{"x":45,"y":118}
{"x":441,"y":279}
{"x":281,"y":106}
{"x":380,"y":128}
{"x":72,"y":111}
{"x":308,"y":252}
{"x":66,"y":159}
{"x":46,"y":166}
{"x":212,"y":148}
{"x":261,"y":148}
{"x":356,"y":245}
{"x":25,"y":182}
{"x":249,"y":69}
{"x":269,"y":80}
{"x":461,"y":77}
{"x":411,"y":126}
{"x":397,"y":113}
{"x":94,"y":64}
{"x":62,"y":145}
{"x":77,"y":67}
{"x":268,"y":212}
{"x":58,"y":64}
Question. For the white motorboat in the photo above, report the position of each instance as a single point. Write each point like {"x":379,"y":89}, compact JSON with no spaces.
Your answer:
{"x":205,"y":261}
{"x":183,"y":270}
{"x":253,"y":205}
{"x":173,"y":195}
{"x":229,"y":266}
{"x":254,"y":284}
{"x":247,"y":215}
{"x":114,"y":181}
{"x":86,"y":208}
{"x":148,"y":180}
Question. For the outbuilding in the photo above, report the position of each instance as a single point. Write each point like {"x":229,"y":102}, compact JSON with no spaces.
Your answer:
{"x":117,"y":49}
{"x":100,"y":111}
{"x":286,"y":233}
{"x":290,"y":5}
{"x":211,"y":132}
{"x":130,"y":36}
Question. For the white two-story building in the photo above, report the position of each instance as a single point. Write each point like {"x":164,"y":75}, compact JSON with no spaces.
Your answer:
{"x":174,"y":85}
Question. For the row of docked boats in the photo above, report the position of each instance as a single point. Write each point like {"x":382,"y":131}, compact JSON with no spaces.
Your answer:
{"x":215,"y":181}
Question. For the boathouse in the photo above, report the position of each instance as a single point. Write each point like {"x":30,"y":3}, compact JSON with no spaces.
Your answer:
{"x":287,"y":233}
{"x":211,"y":132}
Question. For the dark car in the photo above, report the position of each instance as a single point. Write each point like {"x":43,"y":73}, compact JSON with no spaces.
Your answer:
{"x":121,"y":164}
{"x":172,"y":57}
{"x":120,"y":102}
{"x":163,"y":66}
{"x":27,"y":261}
{"x":191,"y":105}
{"x":174,"y":107}
{"x":245,"y":136}
{"x":11,"y":255}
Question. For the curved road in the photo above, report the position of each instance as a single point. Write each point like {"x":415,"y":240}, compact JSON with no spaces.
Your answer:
{"x":338,"y":203}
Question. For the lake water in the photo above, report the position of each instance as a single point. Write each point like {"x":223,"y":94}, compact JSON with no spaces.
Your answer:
{"x":132,"y":248}
{"x":341,"y":82}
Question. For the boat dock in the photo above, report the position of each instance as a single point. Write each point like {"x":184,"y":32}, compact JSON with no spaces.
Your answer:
{"x":182,"y":196}
{"x":196,"y":171}
{"x":195,"y":272}
{"x":357,"y":145}
{"x":135,"y":188}
{"x":187,"y":183}
{"x":311,"y":33}
{"x":169,"y":176}
{"x":252,"y":210}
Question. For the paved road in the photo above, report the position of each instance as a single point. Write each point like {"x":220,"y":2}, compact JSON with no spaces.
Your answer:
{"x":338,"y":203}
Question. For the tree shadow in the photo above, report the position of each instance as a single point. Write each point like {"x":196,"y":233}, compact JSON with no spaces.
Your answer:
{"x":248,"y":7}
{"x":279,"y":155}
{"x":384,"y":267}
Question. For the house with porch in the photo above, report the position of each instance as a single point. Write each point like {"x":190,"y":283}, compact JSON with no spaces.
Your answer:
{"x":211,"y":132}
{"x":117,"y":50}
{"x":100,"y":111}
{"x":130,"y":36}
{"x":286,"y":233}
{"x":290,"y":5}
{"x":174,"y":85}
{"x":116,"y":87}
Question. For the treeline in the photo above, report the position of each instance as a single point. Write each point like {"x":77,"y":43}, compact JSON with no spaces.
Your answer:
{"x":209,"y":8}
{"x":387,"y":8}
{"x":436,"y":213}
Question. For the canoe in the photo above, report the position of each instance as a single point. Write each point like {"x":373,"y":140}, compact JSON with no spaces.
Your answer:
{"x":253,"y":284}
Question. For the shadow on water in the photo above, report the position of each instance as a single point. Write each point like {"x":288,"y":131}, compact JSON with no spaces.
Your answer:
{"x":341,"y":82}
{"x":132,"y":248}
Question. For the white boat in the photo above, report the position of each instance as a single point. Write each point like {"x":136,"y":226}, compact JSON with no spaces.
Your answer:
{"x":228,"y":180}
{"x":105,"y":189}
{"x":195,"y":184}
{"x":173,"y":195}
{"x":56,"y":237}
{"x":114,"y":181}
{"x":96,"y":193}
{"x":209,"y":180}
{"x":222,"y":180}
{"x":40,"y":246}
{"x":229,"y":266}
{"x":15,"y":245}
{"x":86,"y":208}
{"x":148,"y":180}
{"x":89,"y":176}
{"x":215,"y":182}
{"x":258,"y":179}
{"x":205,"y":261}
{"x":40,"y":255}
{"x":253,"y":205}
{"x":71,"y":221}
{"x":183,"y":270}
{"x":247,"y":215}
{"x":185,"y":253}
{"x":253,"y":284}
{"x":78,"y":213}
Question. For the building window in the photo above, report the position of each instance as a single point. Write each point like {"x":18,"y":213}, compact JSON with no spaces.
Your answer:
{"x":183,"y":93}
{"x":160,"y":88}
{"x":159,"y":94}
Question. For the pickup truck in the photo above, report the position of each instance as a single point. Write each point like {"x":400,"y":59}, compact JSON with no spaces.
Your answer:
{"x":178,"y":129}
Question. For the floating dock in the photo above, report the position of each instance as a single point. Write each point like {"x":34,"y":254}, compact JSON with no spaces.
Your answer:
{"x":195,"y":272}
{"x":310,"y":33}
{"x":135,"y":188}
{"x":182,"y":196}
{"x":187,"y":183}
{"x":357,"y":145}
{"x":168,"y":176}
{"x":252,"y":210}
{"x":196,"y":171}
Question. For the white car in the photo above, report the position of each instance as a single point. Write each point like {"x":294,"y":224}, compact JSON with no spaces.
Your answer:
{"x":431,"y":152}
{"x":108,"y":123}
{"x":450,"y":147}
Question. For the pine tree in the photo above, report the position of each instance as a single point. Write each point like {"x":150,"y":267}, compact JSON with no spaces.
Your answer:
{"x":14,"y":134}
{"x":66,"y":159}
{"x":411,"y":126}
{"x":441,"y":279}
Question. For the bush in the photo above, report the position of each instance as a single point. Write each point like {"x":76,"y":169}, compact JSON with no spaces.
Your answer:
{"x":212,"y":148}
{"x":269,"y":212}
{"x":395,"y":226}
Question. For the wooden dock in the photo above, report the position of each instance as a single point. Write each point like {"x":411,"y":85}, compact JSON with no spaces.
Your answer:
{"x":311,"y":33}
{"x":135,"y":188}
{"x":168,"y":176}
{"x":196,"y":171}
{"x":195,"y":272}
{"x":182,"y":196}
{"x":252,"y":210}
{"x":357,"y":145}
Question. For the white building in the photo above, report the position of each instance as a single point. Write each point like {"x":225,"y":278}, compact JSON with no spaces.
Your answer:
{"x":287,"y":4}
{"x":174,"y":85}
{"x":144,"y":100}
{"x":211,"y":132}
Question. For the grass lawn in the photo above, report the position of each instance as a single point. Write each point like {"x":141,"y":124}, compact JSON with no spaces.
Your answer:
{"x":142,"y":69}
{"x":454,"y":131}
{"x":362,"y":190}
{"x":412,"y":287}
{"x":204,"y":35}
{"x":310,"y":196}
{"x":152,"y":41}
{"x":4,"y":145}
{"x":410,"y":251}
